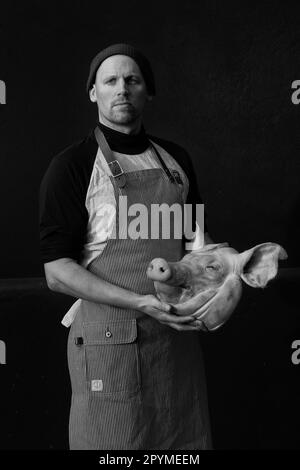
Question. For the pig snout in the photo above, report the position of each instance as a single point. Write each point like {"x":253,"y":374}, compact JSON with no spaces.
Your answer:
{"x":159,"y":270}
{"x":173,"y":273}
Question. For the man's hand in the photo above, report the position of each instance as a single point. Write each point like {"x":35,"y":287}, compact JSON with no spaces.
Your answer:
{"x":162,"y":312}
{"x":68,"y":277}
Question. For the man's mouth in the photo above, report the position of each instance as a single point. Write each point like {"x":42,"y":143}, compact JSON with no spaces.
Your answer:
{"x":123,"y":103}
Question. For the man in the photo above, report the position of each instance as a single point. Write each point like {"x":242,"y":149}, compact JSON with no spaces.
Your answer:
{"x":136,"y":368}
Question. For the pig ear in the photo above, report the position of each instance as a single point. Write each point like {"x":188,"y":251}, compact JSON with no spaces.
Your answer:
{"x":259,"y":265}
{"x":212,"y":246}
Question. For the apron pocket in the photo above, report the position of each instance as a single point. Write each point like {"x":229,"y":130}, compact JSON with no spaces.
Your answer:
{"x":112,"y":357}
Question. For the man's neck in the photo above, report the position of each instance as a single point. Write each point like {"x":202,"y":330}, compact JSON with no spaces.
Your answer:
{"x":131,"y":129}
{"x":130,"y":144}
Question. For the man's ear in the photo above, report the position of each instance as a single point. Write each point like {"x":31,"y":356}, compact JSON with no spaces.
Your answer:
{"x":92,"y":93}
{"x":259,"y":265}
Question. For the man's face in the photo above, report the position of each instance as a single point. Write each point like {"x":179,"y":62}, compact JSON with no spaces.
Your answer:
{"x":120,"y":91}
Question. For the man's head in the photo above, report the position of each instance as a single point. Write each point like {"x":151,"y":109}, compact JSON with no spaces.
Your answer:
{"x":120,"y":82}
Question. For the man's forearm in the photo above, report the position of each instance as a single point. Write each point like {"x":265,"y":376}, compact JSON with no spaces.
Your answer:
{"x":68,"y":277}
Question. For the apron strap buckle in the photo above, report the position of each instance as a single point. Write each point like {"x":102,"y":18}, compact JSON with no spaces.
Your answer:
{"x":177,"y":177}
{"x":114,"y":165}
{"x":118,"y":173}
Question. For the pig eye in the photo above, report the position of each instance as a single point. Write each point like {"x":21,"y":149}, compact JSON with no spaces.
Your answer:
{"x":212,"y":267}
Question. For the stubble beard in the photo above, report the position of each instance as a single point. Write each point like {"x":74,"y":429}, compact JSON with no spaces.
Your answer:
{"x":124,"y":117}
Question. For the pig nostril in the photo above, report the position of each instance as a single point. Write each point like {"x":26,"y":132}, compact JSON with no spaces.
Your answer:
{"x":162,"y":269}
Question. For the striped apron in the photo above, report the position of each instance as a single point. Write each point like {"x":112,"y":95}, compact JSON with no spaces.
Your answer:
{"x":136,"y":384}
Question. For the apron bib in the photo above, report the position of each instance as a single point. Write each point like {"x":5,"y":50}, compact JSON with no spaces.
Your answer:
{"x":136,"y":384}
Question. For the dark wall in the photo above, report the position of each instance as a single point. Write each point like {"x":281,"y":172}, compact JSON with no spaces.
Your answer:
{"x":224,"y":72}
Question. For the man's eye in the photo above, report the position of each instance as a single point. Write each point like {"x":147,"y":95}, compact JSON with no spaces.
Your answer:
{"x":133,"y":80}
{"x":111,"y":81}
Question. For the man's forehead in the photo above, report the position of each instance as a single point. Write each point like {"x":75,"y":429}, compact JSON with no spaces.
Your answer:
{"x":118,"y":63}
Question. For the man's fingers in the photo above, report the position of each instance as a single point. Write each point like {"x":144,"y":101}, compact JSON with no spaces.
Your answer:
{"x":166,"y":317}
{"x":201,"y":325}
{"x":165,"y":307}
{"x":159,"y":305}
{"x":181,"y":327}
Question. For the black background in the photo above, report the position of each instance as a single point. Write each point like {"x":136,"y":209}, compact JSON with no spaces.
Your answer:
{"x":224,"y":71}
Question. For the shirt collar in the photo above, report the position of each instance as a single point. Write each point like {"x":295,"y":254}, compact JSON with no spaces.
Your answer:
{"x":125,"y":143}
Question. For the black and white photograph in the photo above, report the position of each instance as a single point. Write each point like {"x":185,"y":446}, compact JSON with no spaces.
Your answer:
{"x":150,"y":204}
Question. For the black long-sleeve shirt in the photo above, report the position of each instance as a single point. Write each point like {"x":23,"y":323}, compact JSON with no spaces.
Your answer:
{"x":63,"y":213}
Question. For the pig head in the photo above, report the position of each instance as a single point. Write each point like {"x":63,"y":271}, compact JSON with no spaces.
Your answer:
{"x":207,"y":283}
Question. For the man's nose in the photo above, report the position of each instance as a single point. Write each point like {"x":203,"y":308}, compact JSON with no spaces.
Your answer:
{"x":122,"y":87}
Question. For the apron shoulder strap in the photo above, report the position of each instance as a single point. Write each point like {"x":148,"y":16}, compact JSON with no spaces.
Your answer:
{"x":114,"y":166}
{"x":166,"y":169}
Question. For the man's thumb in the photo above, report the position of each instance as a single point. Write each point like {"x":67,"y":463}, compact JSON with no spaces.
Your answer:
{"x":165,"y":307}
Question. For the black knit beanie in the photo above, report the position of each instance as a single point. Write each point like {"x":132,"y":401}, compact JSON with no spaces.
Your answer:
{"x":123,"y":49}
